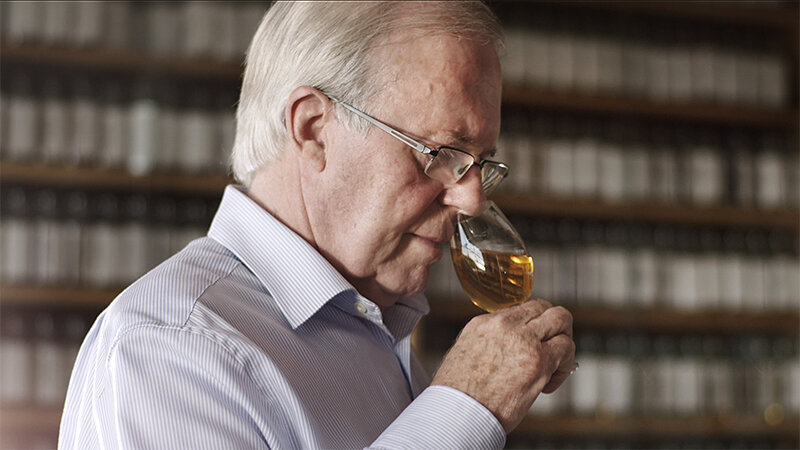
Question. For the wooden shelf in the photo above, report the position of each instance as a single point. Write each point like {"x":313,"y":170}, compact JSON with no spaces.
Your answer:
{"x":112,"y":179}
{"x":607,"y":104}
{"x":719,"y":216}
{"x":782,"y":16}
{"x":57,"y":296}
{"x":525,"y":204}
{"x":123,"y":61}
{"x":460,"y":309}
{"x":650,"y":320}
{"x":618,"y":105}
{"x":22,"y":419}
{"x":656,"y":427}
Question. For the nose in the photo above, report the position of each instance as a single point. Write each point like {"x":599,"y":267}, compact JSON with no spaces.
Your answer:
{"x":467,"y":194}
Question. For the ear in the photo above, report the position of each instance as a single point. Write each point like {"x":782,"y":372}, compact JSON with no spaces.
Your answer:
{"x":306,"y":114}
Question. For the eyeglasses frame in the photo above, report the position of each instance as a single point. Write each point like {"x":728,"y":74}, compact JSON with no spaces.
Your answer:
{"x":419,"y":146}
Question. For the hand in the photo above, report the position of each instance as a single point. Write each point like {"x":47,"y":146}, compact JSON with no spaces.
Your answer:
{"x":506,"y":359}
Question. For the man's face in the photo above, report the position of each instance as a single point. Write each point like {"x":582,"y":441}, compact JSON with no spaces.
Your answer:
{"x":377,"y":217}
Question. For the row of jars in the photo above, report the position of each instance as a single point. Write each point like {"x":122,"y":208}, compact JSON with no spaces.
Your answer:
{"x":663,"y":61}
{"x":662,"y":375}
{"x":95,"y":239}
{"x":622,"y":375}
{"x":591,"y":264}
{"x":620,"y":162}
{"x":220,"y":30}
{"x":37,"y":352}
{"x":142,"y":127}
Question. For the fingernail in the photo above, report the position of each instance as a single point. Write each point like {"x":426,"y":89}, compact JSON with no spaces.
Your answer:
{"x":575,"y":366}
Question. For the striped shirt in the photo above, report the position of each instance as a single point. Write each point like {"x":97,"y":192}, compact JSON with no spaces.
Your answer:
{"x":249,"y":338}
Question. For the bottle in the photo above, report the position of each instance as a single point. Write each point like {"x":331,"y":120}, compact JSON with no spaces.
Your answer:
{"x":585,"y":383}
{"x":86,"y":123}
{"x":687,"y":377}
{"x":769,"y":173}
{"x":23,"y":21}
{"x":20,"y":138}
{"x":742,"y":175}
{"x":75,"y":329}
{"x":611,"y":165}
{"x":705,"y":166}
{"x":586,"y":53}
{"x":57,"y":23}
{"x":613,"y":268}
{"x":47,"y":238}
{"x":49,"y":384}
{"x":636,"y":179}
{"x":89,"y":20}
{"x":753,"y":271}
{"x":162,"y":219}
{"x":133,"y":238}
{"x":101,"y":246}
{"x":589,"y":258}
{"x":664,"y":242}
{"x":707,"y":263}
{"x":679,"y":64}
{"x":115,"y":127}
{"x":616,"y":390}
{"x":16,"y":362}
{"x":731,"y":273}
{"x":684,"y":271}
{"x":642,"y":274}
{"x":18,"y":236}
{"x":586,"y":155}
{"x":560,"y":161}
{"x":564,"y":283}
{"x":169,"y":132}
{"x":663,"y":166}
{"x":56,"y":125}
{"x":72,"y":221}
{"x":197,"y":137}
{"x":144,"y":116}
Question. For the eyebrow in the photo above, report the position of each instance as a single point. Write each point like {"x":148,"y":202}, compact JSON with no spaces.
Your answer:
{"x":461,"y":140}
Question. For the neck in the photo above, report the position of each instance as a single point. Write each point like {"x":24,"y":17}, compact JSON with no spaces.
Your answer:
{"x":276,"y":188}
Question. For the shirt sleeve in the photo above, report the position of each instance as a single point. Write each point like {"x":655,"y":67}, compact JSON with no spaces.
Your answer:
{"x":443,"y":417}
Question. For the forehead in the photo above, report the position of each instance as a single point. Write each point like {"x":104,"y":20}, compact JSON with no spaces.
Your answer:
{"x":441,"y":87}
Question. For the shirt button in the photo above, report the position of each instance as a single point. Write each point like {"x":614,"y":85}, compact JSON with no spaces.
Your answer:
{"x":360,"y":307}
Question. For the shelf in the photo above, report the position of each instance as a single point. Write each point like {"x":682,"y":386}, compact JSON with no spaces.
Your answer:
{"x":607,"y":104}
{"x":21,"y":419}
{"x":57,"y":296}
{"x":123,"y":61}
{"x":782,"y":16}
{"x":455,"y":309}
{"x":524,"y":204}
{"x":655,"y":427}
{"x":649,"y":320}
{"x":112,"y":179}
{"x":618,"y":105}
{"x":716,"y":216}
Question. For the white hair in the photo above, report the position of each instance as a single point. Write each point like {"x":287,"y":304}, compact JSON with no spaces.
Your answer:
{"x":327,"y":45}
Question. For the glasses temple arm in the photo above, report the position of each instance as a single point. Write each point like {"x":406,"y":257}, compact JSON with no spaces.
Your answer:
{"x":416,"y":145}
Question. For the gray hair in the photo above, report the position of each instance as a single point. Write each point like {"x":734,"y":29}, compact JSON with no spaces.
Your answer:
{"x":327,"y":45}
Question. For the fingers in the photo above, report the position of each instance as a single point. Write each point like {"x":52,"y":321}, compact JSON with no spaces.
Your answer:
{"x":562,"y":349}
{"x":550,"y":323}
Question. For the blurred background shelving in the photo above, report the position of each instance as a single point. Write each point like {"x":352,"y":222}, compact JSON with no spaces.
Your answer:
{"x":654,"y":156}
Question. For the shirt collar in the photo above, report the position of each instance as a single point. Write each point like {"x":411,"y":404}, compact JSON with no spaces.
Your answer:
{"x":282,"y":260}
{"x":278,"y":257}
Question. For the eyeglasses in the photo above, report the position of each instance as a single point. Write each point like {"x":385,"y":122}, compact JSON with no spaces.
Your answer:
{"x":447,"y":164}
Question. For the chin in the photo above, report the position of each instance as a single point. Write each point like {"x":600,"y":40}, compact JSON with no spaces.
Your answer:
{"x":416,"y":280}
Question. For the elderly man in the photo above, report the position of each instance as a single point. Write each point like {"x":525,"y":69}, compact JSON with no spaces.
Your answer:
{"x":362,"y":130}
